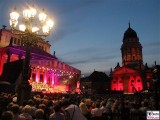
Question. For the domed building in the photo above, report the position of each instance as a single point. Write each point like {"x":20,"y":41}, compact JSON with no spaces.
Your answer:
{"x":133,"y":76}
{"x":131,"y":49}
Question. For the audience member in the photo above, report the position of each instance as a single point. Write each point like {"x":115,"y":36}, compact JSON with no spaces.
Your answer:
{"x":57,"y":115}
{"x":39,"y":113}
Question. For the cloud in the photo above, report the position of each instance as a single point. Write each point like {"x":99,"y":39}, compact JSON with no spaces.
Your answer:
{"x":90,"y":51}
{"x":90,"y":60}
{"x":94,"y":55}
{"x":152,"y":44}
{"x":78,"y":62}
{"x":80,"y":52}
{"x":103,"y":58}
{"x":151,"y":48}
{"x":97,"y":59}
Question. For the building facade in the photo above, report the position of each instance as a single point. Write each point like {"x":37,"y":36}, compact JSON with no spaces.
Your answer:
{"x":97,"y":82}
{"x":133,"y":76}
{"x":48,"y":73}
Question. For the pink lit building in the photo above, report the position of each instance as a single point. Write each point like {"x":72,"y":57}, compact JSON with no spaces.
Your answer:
{"x":48,"y":73}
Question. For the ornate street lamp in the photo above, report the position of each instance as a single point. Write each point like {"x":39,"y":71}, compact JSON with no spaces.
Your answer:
{"x":29,"y":34}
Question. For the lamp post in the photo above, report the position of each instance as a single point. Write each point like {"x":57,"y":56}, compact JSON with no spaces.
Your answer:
{"x":29,"y":33}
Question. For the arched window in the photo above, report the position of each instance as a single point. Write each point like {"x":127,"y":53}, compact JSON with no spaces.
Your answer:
{"x":120,"y":81}
{"x":14,"y":40}
{"x":133,"y":58}
{"x":139,"y":89}
{"x":18,"y":42}
{"x":22,"y":42}
{"x":132,"y":89}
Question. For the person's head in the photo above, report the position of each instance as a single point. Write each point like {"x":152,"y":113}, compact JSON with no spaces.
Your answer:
{"x":57,"y":107}
{"x":14,"y":100}
{"x":103,"y":103}
{"x":97,"y":105}
{"x":39,"y":114}
{"x":83,"y":100}
{"x":8,"y":115}
{"x":15,"y":108}
{"x":30,"y":102}
{"x":9,"y":106}
{"x":144,"y":104}
{"x":65,"y":103}
{"x":27,"y":109}
{"x":24,"y":102}
{"x":42,"y":106}
{"x":45,"y":101}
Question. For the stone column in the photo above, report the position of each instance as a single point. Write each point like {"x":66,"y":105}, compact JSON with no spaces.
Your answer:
{"x":45,"y":76}
{"x":53,"y":78}
{"x":37,"y":75}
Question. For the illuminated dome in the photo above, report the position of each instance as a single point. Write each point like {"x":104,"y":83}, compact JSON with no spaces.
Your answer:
{"x":129,"y":33}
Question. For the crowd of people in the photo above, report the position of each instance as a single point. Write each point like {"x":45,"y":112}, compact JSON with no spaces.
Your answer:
{"x":76,"y":107}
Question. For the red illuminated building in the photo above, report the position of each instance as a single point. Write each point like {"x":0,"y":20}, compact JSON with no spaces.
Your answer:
{"x":133,"y":76}
{"x":48,"y":73}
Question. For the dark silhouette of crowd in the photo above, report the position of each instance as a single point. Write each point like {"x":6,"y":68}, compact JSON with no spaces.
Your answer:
{"x":76,"y":107}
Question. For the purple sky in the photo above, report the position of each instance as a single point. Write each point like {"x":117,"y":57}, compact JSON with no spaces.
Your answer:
{"x":88,"y":33}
